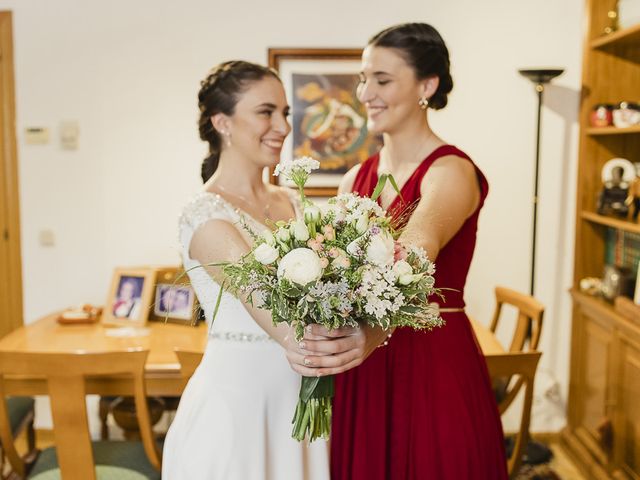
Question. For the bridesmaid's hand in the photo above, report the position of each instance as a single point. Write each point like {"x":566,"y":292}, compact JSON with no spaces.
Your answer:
{"x":329,"y":352}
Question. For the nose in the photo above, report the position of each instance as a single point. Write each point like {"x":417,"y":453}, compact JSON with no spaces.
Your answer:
{"x":365,"y":92}
{"x":281,"y":124}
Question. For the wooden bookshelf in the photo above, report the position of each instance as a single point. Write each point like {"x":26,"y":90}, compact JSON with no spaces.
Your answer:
{"x":627,"y":36}
{"x":612,"y":130}
{"x":611,"y":222}
{"x":603,"y":426}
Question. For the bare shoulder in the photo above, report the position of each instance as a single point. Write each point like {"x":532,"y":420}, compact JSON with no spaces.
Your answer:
{"x":451,"y":168}
{"x":346,"y":184}
{"x":217,"y":240}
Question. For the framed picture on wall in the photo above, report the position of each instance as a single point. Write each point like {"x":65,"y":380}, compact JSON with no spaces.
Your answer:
{"x":174,"y":299}
{"x":328,"y":121}
{"x":129,"y":297}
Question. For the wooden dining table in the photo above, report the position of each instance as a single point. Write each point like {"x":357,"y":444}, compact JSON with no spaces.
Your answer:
{"x":163,"y":375}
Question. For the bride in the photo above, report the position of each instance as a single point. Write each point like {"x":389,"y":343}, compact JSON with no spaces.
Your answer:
{"x":234,"y":418}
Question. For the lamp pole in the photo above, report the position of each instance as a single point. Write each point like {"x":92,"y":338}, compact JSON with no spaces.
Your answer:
{"x":539,"y":77}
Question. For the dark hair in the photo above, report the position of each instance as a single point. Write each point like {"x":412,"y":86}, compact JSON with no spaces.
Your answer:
{"x":424,"y":50}
{"x":219,"y":93}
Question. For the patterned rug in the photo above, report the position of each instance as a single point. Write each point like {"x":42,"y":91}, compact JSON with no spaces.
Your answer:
{"x":537,"y":472}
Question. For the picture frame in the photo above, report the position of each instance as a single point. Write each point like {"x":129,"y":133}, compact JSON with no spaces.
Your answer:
{"x":174,"y":300}
{"x":327,"y":119}
{"x":129,"y":297}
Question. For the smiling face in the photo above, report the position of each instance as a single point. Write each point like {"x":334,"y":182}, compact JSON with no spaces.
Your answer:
{"x":390,"y":91}
{"x":259,"y":123}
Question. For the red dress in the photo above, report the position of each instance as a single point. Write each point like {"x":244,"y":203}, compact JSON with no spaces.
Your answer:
{"x":422,"y":407}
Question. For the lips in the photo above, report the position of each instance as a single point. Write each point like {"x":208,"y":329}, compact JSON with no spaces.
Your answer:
{"x":273,"y":144}
{"x":373,"y":111}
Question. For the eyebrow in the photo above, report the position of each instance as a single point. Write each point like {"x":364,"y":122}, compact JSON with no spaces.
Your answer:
{"x":378,"y":73}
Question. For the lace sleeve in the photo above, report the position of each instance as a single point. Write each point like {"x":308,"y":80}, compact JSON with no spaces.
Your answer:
{"x":202,"y":208}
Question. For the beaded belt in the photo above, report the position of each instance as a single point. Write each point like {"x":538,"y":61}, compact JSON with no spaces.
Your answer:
{"x":242,"y":337}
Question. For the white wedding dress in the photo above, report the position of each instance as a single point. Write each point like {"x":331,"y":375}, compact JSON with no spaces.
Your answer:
{"x":234,"y":417}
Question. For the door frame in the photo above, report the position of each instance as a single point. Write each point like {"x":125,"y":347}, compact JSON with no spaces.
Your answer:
{"x":10,"y":251}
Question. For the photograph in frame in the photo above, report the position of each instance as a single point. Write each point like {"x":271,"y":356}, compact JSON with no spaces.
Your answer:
{"x":129,"y":298}
{"x":174,"y":299}
{"x":328,"y":121}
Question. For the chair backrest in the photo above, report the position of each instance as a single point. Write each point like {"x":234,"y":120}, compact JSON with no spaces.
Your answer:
{"x":66,"y":374}
{"x":523,"y":366}
{"x":189,"y":361}
{"x":529,"y":322}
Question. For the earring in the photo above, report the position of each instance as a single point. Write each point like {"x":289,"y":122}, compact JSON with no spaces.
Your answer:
{"x":227,"y":138}
{"x":424,"y":103}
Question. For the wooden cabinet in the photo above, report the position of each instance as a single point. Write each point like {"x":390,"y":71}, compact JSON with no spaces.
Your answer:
{"x":603,"y":431}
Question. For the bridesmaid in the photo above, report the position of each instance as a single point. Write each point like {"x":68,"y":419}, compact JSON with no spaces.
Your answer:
{"x":421,"y":407}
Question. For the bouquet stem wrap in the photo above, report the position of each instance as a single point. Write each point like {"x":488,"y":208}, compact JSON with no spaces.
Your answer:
{"x":313,"y":412}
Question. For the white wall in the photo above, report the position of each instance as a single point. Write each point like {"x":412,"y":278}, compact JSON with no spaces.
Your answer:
{"x":128,"y":72}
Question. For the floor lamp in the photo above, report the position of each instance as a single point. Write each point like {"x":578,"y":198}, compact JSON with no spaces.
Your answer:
{"x":539,"y":77}
{"x":537,"y":452}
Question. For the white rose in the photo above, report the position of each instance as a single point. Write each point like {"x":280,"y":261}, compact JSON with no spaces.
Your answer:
{"x":300,"y":230}
{"x":362,"y":224}
{"x":402,"y":267}
{"x":312,"y":213}
{"x":300,"y":266}
{"x":380,"y":249}
{"x":268,"y":237}
{"x":265,"y":254}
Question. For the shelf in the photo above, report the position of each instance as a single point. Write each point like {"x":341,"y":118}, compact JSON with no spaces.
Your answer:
{"x":625,"y":37}
{"x":598,"y":306}
{"x":612,"y":130}
{"x":610,"y":222}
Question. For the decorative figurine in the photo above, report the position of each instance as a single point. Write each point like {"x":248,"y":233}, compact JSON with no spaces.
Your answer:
{"x":633,"y":199}
{"x":617,"y":173}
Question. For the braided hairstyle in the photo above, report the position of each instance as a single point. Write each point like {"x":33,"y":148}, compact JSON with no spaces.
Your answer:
{"x":219,"y":93}
{"x":424,"y":50}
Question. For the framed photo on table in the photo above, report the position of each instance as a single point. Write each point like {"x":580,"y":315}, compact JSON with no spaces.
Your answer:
{"x":129,"y":297}
{"x":174,"y":299}
{"x":328,"y":121}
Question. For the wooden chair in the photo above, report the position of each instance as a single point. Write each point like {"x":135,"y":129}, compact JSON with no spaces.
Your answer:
{"x":21,"y":411}
{"x":74,"y":453}
{"x":526,"y":335}
{"x":520,"y":365}
{"x":189,"y":361}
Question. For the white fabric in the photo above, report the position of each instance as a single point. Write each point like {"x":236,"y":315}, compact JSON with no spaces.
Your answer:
{"x":234,"y":418}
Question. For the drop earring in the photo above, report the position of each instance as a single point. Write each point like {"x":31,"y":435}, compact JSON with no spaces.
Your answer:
{"x":227,"y":138}
{"x":424,"y":103}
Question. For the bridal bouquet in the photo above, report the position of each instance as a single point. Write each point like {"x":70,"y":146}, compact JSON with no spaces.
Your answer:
{"x":340,"y":265}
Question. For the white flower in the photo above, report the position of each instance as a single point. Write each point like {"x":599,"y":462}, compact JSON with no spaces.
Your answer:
{"x":300,"y":266}
{"x":380,"y":249}
{"x":300,"y":230}
{"x":283,"y":235}
{"x":268,"y":237}
{"x":402,"y":267}
{"x":288,"y":167}
{"x":265,"y":254}
{"x":407,"y":279}
{"x":311,"y":213}
{"x":362,"y":224}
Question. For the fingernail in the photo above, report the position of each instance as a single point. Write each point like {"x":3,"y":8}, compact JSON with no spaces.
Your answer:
{"x":302,"y":345}
{"x":307,"y":361}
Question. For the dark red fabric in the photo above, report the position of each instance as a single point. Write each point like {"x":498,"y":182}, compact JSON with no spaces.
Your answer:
{"x":422,"y":407}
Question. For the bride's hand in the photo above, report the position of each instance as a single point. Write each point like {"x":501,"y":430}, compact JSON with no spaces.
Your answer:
{"x":328,"y":352}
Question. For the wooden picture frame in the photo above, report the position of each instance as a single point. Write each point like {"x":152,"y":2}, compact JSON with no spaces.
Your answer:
{"x":327,"y":119}
{"x":129,"y":297}
{"x":172,"y":282}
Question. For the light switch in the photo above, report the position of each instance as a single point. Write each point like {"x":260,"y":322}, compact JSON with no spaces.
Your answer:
{"x":69,"y":133}
{"x":47,"y":238}
{"x":36,"y":135}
